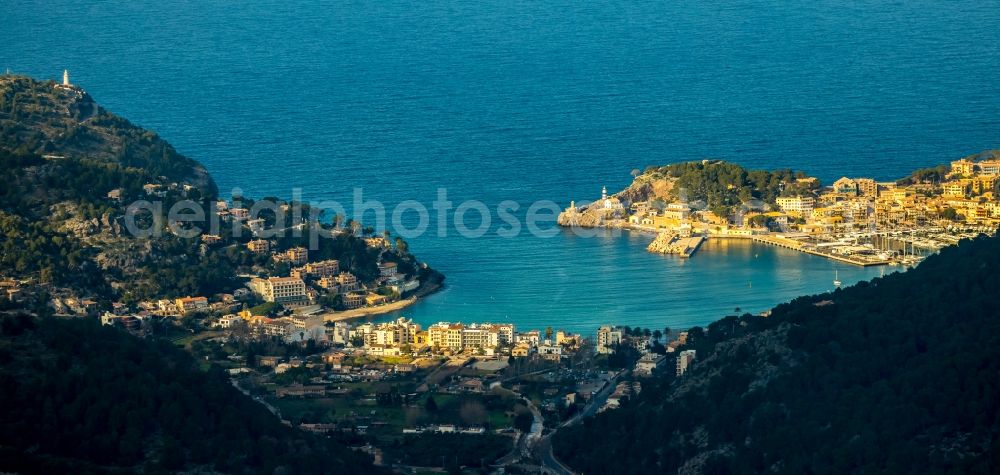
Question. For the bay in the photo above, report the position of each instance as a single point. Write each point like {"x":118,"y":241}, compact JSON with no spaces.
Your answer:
{"x":528,"y":101}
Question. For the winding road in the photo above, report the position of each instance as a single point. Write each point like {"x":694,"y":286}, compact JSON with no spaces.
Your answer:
{"x":543,"y":446}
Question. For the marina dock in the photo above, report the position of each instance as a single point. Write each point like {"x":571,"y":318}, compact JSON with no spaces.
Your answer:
{"x":670,"y":243}
{"x":858,"y":260}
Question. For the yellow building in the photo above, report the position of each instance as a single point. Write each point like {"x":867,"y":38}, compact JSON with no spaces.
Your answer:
{"x":963,"y":167}
{"x":445,"y":335}
{"x":845,"y":186}
{"x":420,"y":338}
{"x":376,"y":299}
{"x":899,"y":194}
{"x":983,"y":184}
{"x":520,"y":351}
{"x":867,"y":187}
{"x":353,"y":299}
{"x":347,"y":281}
{"x":297,"y":255}
{"x":259,"y":246}
{"x":327,"y":268}
{"x":958,"y":188}
{"x":663,"y":222}
{"x":191,"y":304}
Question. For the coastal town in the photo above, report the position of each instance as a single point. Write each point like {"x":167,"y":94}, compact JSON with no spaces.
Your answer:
{"x":393,"y":388}
{"x":500,"y":238}
{"x":295,"y":325}
{"x":294,"y":329}
{"x":397,"y":387}
{"x":858,"y":221}
{"x":278,"y":277}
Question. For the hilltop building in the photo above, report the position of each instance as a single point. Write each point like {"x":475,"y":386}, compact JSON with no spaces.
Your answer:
{"x":259,"y":246}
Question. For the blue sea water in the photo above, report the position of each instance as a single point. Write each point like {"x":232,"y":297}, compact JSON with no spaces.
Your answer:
{"x":527,"y":101}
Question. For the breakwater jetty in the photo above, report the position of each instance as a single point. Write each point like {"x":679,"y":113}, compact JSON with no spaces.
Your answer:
{"x":668,"y":243}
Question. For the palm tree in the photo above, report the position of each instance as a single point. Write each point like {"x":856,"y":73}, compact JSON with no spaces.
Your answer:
{"x":657,"y":334}
{"x":548,"y":333}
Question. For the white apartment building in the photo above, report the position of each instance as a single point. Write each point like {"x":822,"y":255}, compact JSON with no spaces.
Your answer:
{"x":677,"y":211}
{"x":607,"y":338}
{"x":684,"y":361}
{"x":796,"y":204}
{"x":989,"y":167}
{"x":285,"y":290}
{"x":310,"y":329}
{"x":532,"y":338}
{"x":550,"y":350}
{"x":341,"y":333}
{"x":649,"y":363}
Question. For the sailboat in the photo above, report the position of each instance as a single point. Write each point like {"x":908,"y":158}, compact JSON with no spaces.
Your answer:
{"x":836,"y":278}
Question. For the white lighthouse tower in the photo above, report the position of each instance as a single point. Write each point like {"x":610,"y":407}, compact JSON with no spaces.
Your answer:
{"x":66,"y":78}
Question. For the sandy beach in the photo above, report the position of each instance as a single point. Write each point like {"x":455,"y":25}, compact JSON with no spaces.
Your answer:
{"x":423,"y":291}
{"x":367,"y":311}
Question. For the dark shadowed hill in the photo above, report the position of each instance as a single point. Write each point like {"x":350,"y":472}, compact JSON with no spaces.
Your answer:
{"x":899,"y":375}
{"x":81,"y":398}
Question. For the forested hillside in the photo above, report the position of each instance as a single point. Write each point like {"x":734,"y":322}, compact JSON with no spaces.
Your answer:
{"x":70,"y":169}
{"x":720,"y":186}
{"x":38,"y":117}
{"x":82,"y":398}
{"x":899,"y":375}
{"x":60,"y":156}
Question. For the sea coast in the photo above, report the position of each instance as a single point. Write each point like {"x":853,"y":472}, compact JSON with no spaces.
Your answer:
{"x":390,"y":307}
{"x":858,"y":221}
